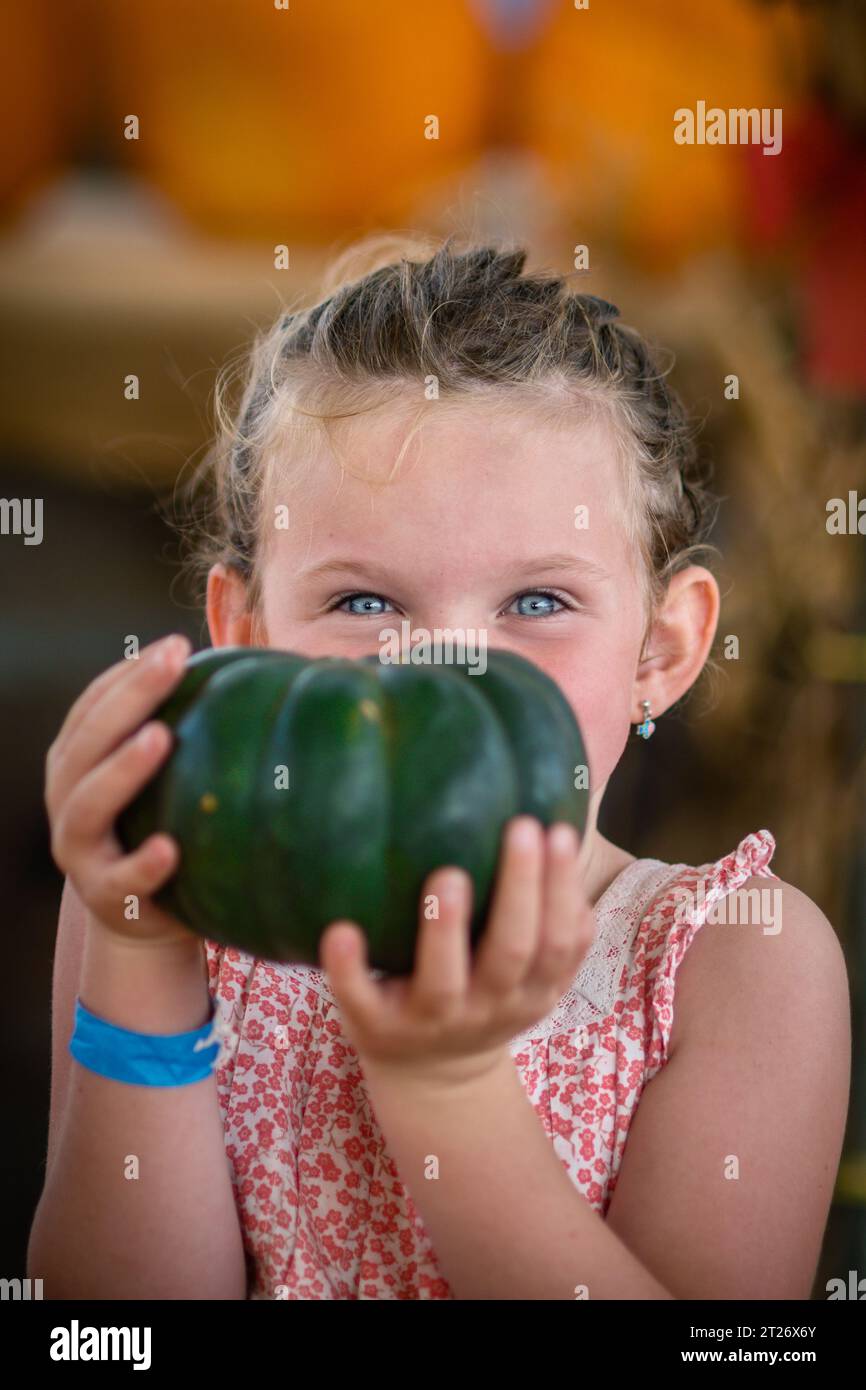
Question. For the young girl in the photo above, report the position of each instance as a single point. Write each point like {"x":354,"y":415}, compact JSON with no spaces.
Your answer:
{"x":605,"y":1101}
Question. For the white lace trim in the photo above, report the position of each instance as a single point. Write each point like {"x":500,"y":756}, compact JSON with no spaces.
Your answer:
{"x":619,"y":912}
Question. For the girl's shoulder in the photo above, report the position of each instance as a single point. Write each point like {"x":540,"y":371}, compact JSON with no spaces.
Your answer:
{"x":692,"y":895}
{"x":738,"y":889}
{"x":730,"y":946}
{"x":747,"y":950}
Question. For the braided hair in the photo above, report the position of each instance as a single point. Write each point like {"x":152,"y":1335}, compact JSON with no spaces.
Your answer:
{"x":475,"y":321}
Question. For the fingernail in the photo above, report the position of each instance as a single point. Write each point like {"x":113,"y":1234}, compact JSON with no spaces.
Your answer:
{"x":562,"y":838}
{"x":524,"y":833}
{"x":172,"y":649}
{"x":453,"y":888}
{"x":343,"y":941}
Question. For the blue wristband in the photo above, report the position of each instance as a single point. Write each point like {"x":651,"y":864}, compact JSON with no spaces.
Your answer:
{"x":143,"y":1059}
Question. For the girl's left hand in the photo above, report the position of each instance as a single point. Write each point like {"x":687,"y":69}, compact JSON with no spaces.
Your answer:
{"x":452,"y":1018}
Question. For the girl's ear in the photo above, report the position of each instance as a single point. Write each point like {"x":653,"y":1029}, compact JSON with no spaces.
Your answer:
{"x":230,"y":622}
{"x":679,"y":641}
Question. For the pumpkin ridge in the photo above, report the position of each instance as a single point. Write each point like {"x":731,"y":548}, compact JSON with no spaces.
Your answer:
{"x":259,"y":810}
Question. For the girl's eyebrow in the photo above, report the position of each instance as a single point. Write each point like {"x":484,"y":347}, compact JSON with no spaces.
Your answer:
{"x":563,"y":560}
{"x":368,"y":569}
{"x":560,"y":561}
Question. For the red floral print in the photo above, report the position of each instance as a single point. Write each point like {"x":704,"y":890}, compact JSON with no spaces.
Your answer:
{"x":324,"y":1214}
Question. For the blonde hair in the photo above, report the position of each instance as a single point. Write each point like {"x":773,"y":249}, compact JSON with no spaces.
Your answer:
{"x":398,"y":313}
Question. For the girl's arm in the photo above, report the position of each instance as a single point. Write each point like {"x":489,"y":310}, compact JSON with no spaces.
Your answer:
{"x":728,"y":1174}
{"x":137,"y":1201}
{"x":501,"y":1211}
{"x":758,"y":1072}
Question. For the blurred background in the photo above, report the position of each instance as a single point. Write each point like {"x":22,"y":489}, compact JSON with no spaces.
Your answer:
{"x":153,"y":154}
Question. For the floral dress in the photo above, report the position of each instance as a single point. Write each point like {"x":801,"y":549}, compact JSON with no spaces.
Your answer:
{"x":323,"y":1210}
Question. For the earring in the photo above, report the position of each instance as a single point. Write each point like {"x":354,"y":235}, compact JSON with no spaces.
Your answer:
{"x":647,"y":727}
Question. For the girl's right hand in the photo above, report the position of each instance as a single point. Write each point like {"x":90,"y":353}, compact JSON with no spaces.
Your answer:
{"x":97,"y":764}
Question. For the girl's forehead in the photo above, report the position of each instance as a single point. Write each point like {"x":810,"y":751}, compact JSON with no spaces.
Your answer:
{"x":474,"y":492}
{"x":455,"y":451}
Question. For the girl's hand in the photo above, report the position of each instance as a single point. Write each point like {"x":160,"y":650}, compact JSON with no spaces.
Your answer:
{"x":441,"y":1024}
{"x":97,"y":764}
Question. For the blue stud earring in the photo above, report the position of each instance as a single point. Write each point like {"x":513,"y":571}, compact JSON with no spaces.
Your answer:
{"x":647,"y":727}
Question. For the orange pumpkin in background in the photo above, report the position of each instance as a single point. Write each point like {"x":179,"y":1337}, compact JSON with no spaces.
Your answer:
{"x":258,"y":121}
{"x":301,"y":124}
{"x":601,"y":91}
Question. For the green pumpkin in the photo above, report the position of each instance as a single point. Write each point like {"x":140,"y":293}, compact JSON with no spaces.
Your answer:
{"x":392,"y":771}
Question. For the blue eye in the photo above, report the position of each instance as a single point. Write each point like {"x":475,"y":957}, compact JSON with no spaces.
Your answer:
{"x":533,"y":603}
{"x":539,"y":601}
{"x":368,"y":603}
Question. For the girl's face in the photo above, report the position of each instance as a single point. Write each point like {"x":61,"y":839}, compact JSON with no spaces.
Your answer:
{"x":475,"y":532}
